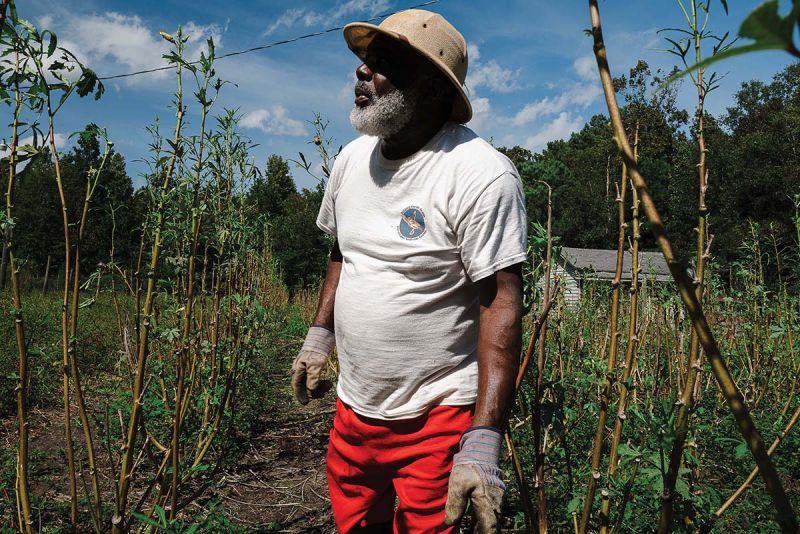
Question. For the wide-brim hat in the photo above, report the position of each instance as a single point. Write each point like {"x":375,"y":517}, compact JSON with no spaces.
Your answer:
{"x":430,"y":35}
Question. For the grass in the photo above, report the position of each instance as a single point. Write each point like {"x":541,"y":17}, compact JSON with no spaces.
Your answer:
{"x":757,"y":347}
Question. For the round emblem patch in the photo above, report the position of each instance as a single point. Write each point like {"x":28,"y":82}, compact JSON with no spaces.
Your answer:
{"x":412,"y":223}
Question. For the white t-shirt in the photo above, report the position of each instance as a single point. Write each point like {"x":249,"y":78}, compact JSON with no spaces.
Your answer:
{"x":415,"y":235}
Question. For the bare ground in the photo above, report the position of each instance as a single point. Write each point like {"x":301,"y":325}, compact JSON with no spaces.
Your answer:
{"x":277,"y":485}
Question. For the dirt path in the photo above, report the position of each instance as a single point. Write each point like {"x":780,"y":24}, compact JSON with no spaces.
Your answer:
{"x":279,"y":484}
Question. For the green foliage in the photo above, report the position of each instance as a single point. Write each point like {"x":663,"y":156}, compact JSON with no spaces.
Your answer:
{"x":98,"y":341}
{"x":271,"y":190}
{"x":299,"y":247}
{"x":715,"y":461}
{"x":752,"y":176}
{"x":768,"y":30}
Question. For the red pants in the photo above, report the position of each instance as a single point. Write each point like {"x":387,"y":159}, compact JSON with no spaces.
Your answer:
{"x":371,"y":461}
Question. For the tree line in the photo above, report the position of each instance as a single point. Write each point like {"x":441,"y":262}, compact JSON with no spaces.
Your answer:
{"x":753,"y":173}
{"x":753,"y":192}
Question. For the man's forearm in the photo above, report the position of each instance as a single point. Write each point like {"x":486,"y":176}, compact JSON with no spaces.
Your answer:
{"x":499,"y":344}
{"x":327,"y":295}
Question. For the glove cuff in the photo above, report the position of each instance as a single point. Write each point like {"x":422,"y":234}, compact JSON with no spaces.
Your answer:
{"x":320,"y":340}
{"x":480,"y":445}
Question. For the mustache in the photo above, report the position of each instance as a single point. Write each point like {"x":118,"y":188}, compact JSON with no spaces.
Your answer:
{"x":365,"y":87}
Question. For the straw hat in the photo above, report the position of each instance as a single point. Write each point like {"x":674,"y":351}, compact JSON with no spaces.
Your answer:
{"x":431,"y":36}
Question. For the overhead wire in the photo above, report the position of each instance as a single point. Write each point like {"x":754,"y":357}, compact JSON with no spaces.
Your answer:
{"x":269,"y":45}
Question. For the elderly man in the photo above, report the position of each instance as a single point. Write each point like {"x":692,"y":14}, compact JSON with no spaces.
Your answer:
{"x":422,"y":296}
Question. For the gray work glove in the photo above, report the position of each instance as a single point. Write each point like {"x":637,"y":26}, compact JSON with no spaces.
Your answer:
{"x":309,"y":364}
{"x":476,"y":476}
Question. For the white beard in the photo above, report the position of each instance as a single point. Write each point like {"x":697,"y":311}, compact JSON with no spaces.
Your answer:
{"x":385,"y":115}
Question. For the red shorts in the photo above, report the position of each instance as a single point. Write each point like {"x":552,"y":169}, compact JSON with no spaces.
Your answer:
{"x":370,"y":462}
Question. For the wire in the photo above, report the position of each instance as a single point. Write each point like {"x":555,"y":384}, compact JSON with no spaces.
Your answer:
{"x":269,"y":45}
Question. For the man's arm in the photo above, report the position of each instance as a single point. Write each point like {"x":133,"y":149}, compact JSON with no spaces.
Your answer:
{"x":476,"y":474}
{"x":327,"y":294}
{"x":309,"y":365}
{"x":499,"y":344}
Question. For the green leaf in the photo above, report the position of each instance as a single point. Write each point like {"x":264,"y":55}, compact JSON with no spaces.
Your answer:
{"x":682,"y":489}
{"x":574,"y":504}
{"x":742,"y":450}
{"x":146,"y":520}
{"x":51,"y":48}
{"x":765,"y":25}
{"x":626,"y":450}
{"x":731,"y":52}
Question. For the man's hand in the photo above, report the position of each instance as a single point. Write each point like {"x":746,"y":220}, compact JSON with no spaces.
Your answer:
{"x":476,"y":476}
{"x":309,"y":364}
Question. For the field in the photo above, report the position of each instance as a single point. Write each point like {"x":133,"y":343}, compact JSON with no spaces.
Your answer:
{"x":273,"y":477}
{"x":146,"y":336}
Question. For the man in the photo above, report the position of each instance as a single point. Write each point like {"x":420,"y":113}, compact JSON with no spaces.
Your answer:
{"x":423,"y":291}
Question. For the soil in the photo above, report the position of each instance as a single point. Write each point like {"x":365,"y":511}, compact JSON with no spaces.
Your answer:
{"x":279,"y":484}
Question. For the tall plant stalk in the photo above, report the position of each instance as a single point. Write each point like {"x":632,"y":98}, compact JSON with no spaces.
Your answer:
{"x":91,"y":184}
{"x":181,"y":403}
{"x":693,"y":366}
{"x":630,"y":352}
{"x":611,"y":366}
{"x":143,"y":346}
{"x":733,"y":397}
{"x":24,"y":516}
{"x":541,"y":509}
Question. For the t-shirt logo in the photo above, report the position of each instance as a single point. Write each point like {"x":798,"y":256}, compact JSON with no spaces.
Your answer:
{"x":412,"y":223}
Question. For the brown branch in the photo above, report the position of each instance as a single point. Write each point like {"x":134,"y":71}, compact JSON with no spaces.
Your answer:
{"x":786,"y":518}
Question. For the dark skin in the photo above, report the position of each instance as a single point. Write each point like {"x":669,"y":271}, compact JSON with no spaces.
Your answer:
{"x":389,"y":65}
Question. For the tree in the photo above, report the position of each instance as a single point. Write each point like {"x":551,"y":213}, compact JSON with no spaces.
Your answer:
{"x":299,"y":247}
{"x":269,"y":192}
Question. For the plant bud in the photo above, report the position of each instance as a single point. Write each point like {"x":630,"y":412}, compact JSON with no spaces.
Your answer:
{"x":167,"y":37}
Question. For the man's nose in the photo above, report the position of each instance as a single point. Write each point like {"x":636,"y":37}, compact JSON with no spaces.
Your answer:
{"x":363,"y":72}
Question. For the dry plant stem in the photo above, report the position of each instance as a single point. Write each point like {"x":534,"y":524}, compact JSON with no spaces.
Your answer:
{"x":180,"y":401}
{"x":786,"y":517}
{"x":540,"y":364}
{"x":749,"y":480}
{"x":25,"y":518}
{"x":608,"y":383}
{"x":686,"y":399}
{"x":630,"y":354}
{"x":65,"y":340}
{"x":95,"y":509}
{"x":123,"y":483}
{"x":626,"y":497}
{"x":535,"y":330}
{"x":524,"y":490}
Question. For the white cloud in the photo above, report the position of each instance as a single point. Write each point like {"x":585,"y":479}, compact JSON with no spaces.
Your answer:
{"x":580,"y":95}
{"x":481,"y":113}
{"x":489,"y":74}
{"x":113,"y":43}
{"x":492,"y":76}
{"x":61,"y":141}
{"x":275,"y":121}
{"x":559,"y":128}
{"x":308,"y":17}
{"x":585,"y":67}
{"x":473,"y":52}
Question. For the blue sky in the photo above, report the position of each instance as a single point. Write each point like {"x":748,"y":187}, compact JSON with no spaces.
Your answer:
{"x":532,"y":77}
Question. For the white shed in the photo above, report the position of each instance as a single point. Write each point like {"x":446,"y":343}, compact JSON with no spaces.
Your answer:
{"x":575,"y":265}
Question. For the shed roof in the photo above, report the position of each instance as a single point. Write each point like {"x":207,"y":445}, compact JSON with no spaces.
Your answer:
{"x":602,"y":264}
